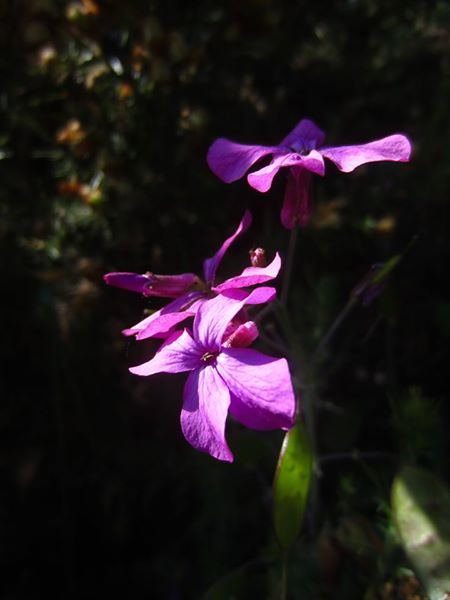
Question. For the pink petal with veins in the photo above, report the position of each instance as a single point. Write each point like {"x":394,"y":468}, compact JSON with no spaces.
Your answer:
{"x":205,"y":407}
{"x":392,"y":148}
{"x":182,"y":354}
{"x":261,"y":388}
{"x":252,"y":276}
{"x":230,"y":161}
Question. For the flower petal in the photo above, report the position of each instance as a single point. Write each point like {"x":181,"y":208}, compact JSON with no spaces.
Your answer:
{"x":312,"y":162}
{"x":305,"y":132}
{"x":262,"y":180}
{"x":139,"y":329}
{"x":252,"y":276}
{"x":205,"y":407}
{"x":161,"y":322}
{"x":261,"y":295}
{"x":261,"y":390}
{"x":211,"y":264}
{"x":297,"y":198}
{"x":230,"y":161}
{"x":162,"y":325}
{"x":347,"y":158}
{"x":214,"y":315}
{"x":183,"y":354}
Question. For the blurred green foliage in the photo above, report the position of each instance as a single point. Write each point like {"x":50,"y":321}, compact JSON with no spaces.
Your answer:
{"x":421,"y":511}
{"x":107,"y":110}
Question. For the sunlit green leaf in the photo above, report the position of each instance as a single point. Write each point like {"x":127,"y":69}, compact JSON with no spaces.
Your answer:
{"x":421,"y":508}
{"x":291,"y":486}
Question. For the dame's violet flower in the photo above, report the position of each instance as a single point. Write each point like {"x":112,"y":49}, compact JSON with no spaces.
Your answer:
{"x":188,"y":289}
{"x":303,"y":152}
{"x":256,"y":389}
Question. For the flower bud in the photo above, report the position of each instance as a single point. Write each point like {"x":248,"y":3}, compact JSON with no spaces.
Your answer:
{"x":258,"y":257}
{"x":242,"y":336}
{"x":150,"y":284}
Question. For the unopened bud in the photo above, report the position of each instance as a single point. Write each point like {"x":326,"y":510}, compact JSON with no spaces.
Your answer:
{"x":149,"y":284}
{"x":258,"y":257}
{"x":242,"y":336}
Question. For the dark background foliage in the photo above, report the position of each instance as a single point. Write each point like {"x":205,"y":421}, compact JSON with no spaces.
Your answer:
{"x":107,"y":112}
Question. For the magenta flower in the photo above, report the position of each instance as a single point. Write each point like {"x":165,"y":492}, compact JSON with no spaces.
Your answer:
{"x":303,"y":152}
{"x":188,"y":290}
{"x":224,"y":377}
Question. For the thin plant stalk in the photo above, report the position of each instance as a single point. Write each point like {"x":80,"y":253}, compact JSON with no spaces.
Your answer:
{"x":348,"y":308}
{"x":284,"y":573}
{"x":289,"y":265}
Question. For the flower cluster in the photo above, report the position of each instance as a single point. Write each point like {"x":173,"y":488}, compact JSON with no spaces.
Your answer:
{"x":225,"y":375}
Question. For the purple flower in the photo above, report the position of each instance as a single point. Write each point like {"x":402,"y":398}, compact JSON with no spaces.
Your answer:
{"x":303,"y":152}
{"x":256,"y":389}
{"x":188,"y":290}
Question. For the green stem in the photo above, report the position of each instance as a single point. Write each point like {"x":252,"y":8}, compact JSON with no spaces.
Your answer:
{"x":289,"y":264}
{"x":308,"y":399}
{"x":309,"y":413}
{"x":348,"y":308}
{"x":309,"y":402}
{"x":284,"y":572}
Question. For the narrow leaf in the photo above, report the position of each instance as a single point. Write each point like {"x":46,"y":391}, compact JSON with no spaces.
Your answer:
{"x":421,"y":509}
{"x":291,"y":485}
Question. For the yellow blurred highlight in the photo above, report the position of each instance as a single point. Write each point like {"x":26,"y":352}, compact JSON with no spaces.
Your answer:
{"x":386,"y":224}
{"x":72,"y":133}
{"x":326,"y":214}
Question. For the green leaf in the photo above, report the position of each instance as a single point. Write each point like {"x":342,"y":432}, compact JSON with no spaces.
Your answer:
{"x":291,"y":485}
{"x":421,"y":509}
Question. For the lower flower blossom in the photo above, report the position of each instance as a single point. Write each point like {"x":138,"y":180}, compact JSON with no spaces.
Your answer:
{"x":224,"y":377}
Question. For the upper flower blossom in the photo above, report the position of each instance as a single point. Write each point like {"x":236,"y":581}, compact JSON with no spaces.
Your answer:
{"x":189,"y":290}
{"x":224,"y":376}
{"x":303,"y":152}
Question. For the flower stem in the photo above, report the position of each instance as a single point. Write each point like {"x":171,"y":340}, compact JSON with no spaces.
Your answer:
{"x":309,"y":406}
{"x":333,"y":328}
{"x":289,"y":264}
{"x":309,"y":401}
{"x":284,"y":568}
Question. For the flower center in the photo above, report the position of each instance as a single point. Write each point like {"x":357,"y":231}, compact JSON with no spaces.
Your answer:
{"x":209,"y":356}
{"x":303,"y":147}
